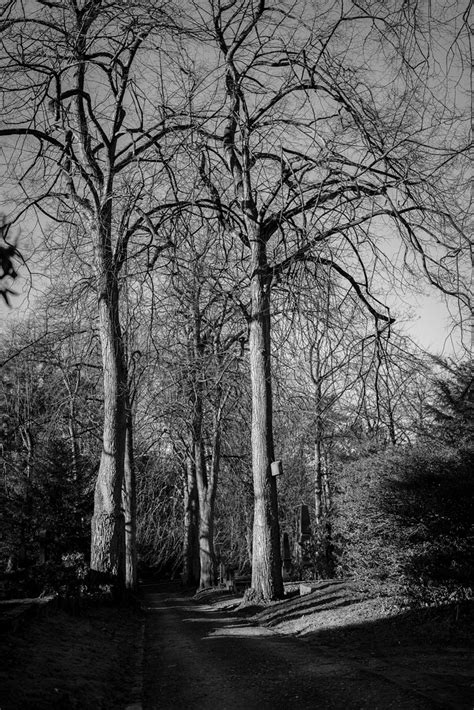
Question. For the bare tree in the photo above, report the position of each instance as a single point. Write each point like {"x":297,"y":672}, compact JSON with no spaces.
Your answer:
{"x":328,"y":138}
{"x":203,"y":350}
{"x":331,"y":145}
{"x":88,"y":120}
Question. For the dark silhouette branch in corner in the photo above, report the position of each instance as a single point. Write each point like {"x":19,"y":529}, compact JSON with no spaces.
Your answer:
{"x":8,"y":254}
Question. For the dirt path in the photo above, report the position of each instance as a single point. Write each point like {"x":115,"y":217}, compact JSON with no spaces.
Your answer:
{"x":200,"y":657}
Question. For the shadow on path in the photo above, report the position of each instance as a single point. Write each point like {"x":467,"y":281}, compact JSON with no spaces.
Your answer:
{"x":200,"y":657}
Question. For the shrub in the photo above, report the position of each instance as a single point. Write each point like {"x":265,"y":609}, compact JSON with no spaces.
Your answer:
{"x":404,"y":518}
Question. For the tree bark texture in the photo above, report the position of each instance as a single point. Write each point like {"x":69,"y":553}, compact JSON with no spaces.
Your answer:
{"x":191,"y":565}
{"x":108,"y":530}
{"x":207,"y":576}
{"x":206,"y":478}
{"x":266,"y":556}
{"x":206,"y":470}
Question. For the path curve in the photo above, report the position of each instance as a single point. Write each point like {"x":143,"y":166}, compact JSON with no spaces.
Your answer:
{"x":198,"y":657}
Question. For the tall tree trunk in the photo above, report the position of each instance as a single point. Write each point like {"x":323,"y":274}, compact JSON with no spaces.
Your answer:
{"x":108,"y":533}
{"x":267,"y":581}
{"x":206,"y":475}
{"x":191,"y":527}
{"x":266,"y":556}
{"x":74,"y":439}
{"x":318,"y":483}
{"x":318,"y":439}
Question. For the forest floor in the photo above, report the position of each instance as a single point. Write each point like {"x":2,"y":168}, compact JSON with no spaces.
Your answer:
{"x":330,"y":649}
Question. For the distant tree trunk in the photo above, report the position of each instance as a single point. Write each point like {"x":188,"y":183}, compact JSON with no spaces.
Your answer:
{"x":191,"y":564}
{"x":206,"y":473}
{"x":74,"y":443}
{"x":267,"y":578}
{"x":391,"y":422}
{"x":108,"y":531}
{"x":322,"y":506}
{"x":129,"y":498}
{"x":206,"y":476}
{"x":328,"y":547}
{"x":318,"y":483}
{"x":326,"y":485}
{"x":248,"y":535}
{"x":319,"y":512}
{"x":74,"y":439}
{"x":207,"y":576}
{"x":325,"y":566}
{"x":25,"y":528}
{"x":206,"y":496}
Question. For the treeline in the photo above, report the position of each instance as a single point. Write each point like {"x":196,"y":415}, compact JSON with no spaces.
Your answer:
{"x":390,"y":498}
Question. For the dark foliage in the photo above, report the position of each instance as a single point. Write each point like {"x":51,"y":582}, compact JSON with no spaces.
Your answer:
{"x":404,"y":515}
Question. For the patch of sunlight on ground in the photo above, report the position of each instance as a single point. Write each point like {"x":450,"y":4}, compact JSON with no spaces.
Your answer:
{"x":241,"y":631}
